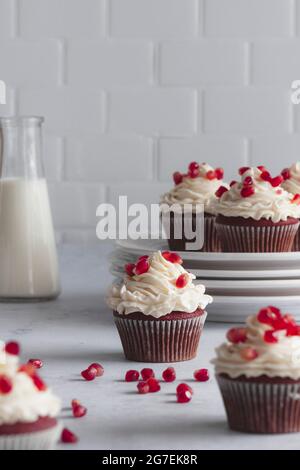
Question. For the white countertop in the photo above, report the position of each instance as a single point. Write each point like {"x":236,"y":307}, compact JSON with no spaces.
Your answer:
{"x":77,"y":329}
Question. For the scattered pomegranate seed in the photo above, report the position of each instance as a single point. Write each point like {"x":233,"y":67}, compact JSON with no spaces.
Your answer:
{"x":193,"y":166}
{"x":286,"y":174}
{"x":153,"y":384}
{"x":296,"y":199}
{"x":79,"y":411}
{"x":276,"y":181}
{"x":219,"y":173}
{"x":75,"y":403}
{"x":5,"y":384}
{"x":236,"y":335}
{"x":211,"y":175}
{"x":12,"y":348}
{"x":132,"y":376}
{"x":184,"y":387}
{"x":89,"y":374}
{"x":269,"y":337}
{"x":220,"y":191}
{"x":37,"y":363}
{"x":28,"y":369}
{"x":147,"y":373}
{"x":265,"y":176}
{"x":247,"y":191}
{"x":142,"y":266}
{"x":39,"y":383}
{"x":249,"y":354}
{"x":201,"y":375}
{"x":68,"y":437}
{"x":182,"y":281}
{"x":143,"y":387}
{"x":129,"y":268}
{"x":169,"y":374}
{"x":233,"y":182}
{"x":269,"y":315}
{"x":172,"y":257}
{"x":99,"y":369}
{"x":248,"y":181}
{"x":184,"y":396}
{"x":243,"y":169}
{"x":177,"y":177}
{"x":193,"y":173}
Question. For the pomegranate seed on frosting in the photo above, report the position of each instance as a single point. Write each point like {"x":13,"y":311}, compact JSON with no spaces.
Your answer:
{"x":6,"y":385}
{"x":236,"y":335}
{"x":221,"y":190}
{"x":142,"y":266}
{"x":177,"y":177}
{"x":249,"y":354}
{"x":182,"y":281}
{"x":12,"y":348}
{"x":296,"y":199}
{"x":247,"y":191}
{"x":129,"y":268}
{"x":243,"y":169}
{"x":286,"y":174}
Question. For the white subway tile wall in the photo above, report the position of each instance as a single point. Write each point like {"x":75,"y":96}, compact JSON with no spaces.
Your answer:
{"x":134,"y":89}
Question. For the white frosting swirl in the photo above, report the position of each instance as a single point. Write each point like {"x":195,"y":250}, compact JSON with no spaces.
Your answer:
{"x":281,"y":359}
{"x":194,"y":191}
{"x":25,"y":403}
{"x":267,"y":202}
{"x":292,"y":184}
{"x":155,"y":293}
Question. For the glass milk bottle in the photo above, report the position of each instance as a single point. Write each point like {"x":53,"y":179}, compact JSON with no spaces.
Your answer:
{"x":28,"y":259}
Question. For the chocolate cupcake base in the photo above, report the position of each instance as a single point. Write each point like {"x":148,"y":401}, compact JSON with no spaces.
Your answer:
{"x":256,"y":236}
{"x":261,"y":405}
{"x":172,"y":338}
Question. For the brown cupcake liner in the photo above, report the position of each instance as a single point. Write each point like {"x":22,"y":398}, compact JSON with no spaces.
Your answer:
{"x":256,"y":239}
{"x":296,"y":245}
{"x":261,"y":407}
{"x":160,"y":340}
{"x":211,"y":239}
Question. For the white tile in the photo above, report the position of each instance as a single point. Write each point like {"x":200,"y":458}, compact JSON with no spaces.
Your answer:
{"x":61,"y":18}
{"x":248,"y":18}
{"x":143,"y":193}
{"x":276,"y":152}
{"x":66,"y":110}
{"x":107,"y":158}
{"x":109,"y":63}
{"x":247,"y":111}
{"x":154,"y":18}
{"x":176,"y":154}
{"x":154,"y":112}
{"x":53,"y":157}
{"x":202,"y":62}
{"x":6,"y":18}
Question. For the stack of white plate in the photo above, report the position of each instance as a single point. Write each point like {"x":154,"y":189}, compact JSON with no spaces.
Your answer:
{"x":240,"y":283}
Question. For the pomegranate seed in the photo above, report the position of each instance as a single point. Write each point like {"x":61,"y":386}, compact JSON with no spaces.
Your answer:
{"x":249,"y":354}
{"x":201,"y":375}
{"x":220,"y":191}
{"x":37,"y":363}
{"x":28,"y":369}
{"x":142,"y":266}
{"x":147,"y":373}
{"x":219,"y":173}
{"x":243,"y":169}
{"x":236,"y":335}
{"x":233,"y":182}
{"x":172,"y":257}
{"x":143,"y":387}
{"x":89,"y":374}
{"x":169,"y":374}
{"x":269,"y":337}
{"x":276,"y":181}
{"x":75,"y":403}
{"x":211,"y":175}
{"x":129,"y":268}
{"x":99,"y":369}
{"x":39,"y":383}
{"x":182,"y":281}
{"x":184,"y":387}
{"x":5,"y":384}
{"x":289,"y":319}
{"x":296,"y":199}
{"x":79,"y":411}
{"x":153,"y":385}
{"x":262,"y":168}
{"x":269,"y":315}
{"x":184,"y":396}
{"x":132,"y":376}
{"x":248,"y":181}
{"x":12,"y":348}
{"x":193,"y":173}
{"x":177,"y":177}
{"x":293,"y":330}
{"x":286,"y":174}
{"x":193,"y":166}
{"x":68,"y":437}
{"x":265,"y":176}
{"x":247,"y":191}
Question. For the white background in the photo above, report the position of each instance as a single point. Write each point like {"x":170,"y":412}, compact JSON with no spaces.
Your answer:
{"x":135,"y":89}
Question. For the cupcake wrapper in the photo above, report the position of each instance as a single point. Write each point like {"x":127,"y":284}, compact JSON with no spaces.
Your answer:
{"x":251,"y":239}
{"x":296,"y":245}
{"x":40,"y":440}
{"x":160,"y":341}
{"x":258,"y":407}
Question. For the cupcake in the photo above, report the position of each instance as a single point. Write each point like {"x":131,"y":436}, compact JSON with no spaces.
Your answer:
{"x":28,"y":409}
{"x":291,"y":184}
{"x":257,"y":215}
{"x":158,"y":310}
{"x":196,"y":188}
{"x":258,"y":372}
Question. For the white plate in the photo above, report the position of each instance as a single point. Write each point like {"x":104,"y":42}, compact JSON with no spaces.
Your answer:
{"x":259,"y":288}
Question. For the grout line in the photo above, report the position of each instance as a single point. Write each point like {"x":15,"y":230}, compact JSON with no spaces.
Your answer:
{"x":106,"y":12}
{"x":62,"y":69}
{"x":201,"y":11}
{"x":15,"y":20}
{"x":293,"y":17}
{"x":155,"y":158}
{"x":155,"y":68}
{"x":248,"y":56}
{"x":64,"y":159}
{"x":105,"y":111}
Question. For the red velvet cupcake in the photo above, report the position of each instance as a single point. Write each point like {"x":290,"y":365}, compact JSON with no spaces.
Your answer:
{"x":257,"y":215}
{"x":258,"y":372}
{"x":159,"y":312}
{"x":291,"y":184}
